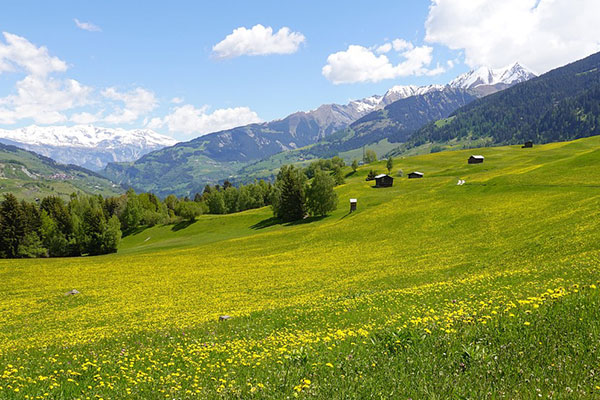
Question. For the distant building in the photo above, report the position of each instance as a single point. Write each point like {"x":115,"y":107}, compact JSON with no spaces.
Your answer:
{"x":415,"y":174}
{"x":527,"y":145}
{"x":475,"y":159}
{"x":383,"y":180}
{"x":352,"y":205}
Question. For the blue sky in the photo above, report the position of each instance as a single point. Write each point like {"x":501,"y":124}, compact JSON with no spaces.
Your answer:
{"x":144,"y":54}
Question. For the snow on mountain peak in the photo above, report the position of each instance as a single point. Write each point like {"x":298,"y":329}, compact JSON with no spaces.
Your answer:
{"x":509,"y":75}
{"x":85,"y":136}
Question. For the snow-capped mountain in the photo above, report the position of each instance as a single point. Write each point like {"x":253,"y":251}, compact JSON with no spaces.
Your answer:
{"x":481,"y":82}
{"x":488,"y":77}
{"x":86,"y":145}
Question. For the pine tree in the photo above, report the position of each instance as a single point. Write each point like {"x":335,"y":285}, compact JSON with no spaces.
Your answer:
{"x":12,"y":228}
{"x":289,"y":199}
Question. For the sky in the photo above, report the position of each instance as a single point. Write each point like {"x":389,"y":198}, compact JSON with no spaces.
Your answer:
{"x":188,"y":68}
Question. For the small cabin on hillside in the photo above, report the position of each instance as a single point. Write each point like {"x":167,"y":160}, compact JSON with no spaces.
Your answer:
{"x":415,"y":174}
{"x":527,"y":145}
{"x":475,"y":159}
{"x":383,"y":180}
{"x":352,"y":205}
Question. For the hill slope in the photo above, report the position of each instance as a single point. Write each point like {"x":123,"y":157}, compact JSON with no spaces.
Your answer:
{"x":430,"y":287}
{"x":562,"y":104}
{"x":29,"y":175}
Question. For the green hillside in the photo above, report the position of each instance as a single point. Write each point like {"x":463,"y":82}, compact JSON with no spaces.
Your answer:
{"x":562,"y":104}
{"x":430,"y":290}
{"x":28,"y":175}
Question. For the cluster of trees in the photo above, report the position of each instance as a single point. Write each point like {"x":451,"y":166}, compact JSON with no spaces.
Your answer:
{"x":92,"y":225}
{"x":228,"y":199}
{"x":56,"y":228}
{"x":294,"y":197}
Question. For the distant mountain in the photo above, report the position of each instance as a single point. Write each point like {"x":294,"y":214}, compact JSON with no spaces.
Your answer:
{"x":29,"y":175}
{"x":562,"y":104}
{"x":485,"y":80}
{"x":396,"y":122}
{"x":88,"y":146}
{"x":325,"y":131}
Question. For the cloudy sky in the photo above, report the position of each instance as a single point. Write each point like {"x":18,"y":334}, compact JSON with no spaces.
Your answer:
{"x":189,"y":68}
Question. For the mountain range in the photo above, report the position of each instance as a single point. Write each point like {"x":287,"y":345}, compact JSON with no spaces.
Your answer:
{"x":85,"y":145}
{"x":327,"y":130}
{"x":560,"y":105}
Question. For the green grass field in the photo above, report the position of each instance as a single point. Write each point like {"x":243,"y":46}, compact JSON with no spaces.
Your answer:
{"x":430,"y":290}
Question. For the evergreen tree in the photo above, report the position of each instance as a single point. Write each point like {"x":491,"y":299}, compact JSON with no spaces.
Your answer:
{"x":321,"y":198}
{"x":12,"y":228}
{"x":289,"y":199}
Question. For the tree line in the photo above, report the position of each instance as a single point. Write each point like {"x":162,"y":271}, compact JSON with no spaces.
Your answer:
{"x":93,"y":225}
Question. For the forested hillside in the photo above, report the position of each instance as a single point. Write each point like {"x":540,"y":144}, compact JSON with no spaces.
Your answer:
{"x":562,"y":104}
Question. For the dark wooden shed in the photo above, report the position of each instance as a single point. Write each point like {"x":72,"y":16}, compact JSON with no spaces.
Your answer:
{"x":475,"y":159}
{"x":415,"y":174}
{"x":353,"y":205}
{"x":527,"y":145}
{"x":383,"y":180}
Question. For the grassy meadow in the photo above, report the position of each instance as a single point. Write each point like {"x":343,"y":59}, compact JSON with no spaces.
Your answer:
{"x":430,"y":290}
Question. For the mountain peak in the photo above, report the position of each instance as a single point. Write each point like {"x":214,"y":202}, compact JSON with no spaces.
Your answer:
{"x":485,"y":76}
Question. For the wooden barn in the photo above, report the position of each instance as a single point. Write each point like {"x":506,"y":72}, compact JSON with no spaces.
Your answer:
{"x":415,"y":174}
{"x":527,"y":145}
{"x":383,"y":180}
{"x":353,"y":205}
{"x":475,"y":159}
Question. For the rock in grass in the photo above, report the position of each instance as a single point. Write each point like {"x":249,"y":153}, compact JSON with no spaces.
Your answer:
{"x":224,"y":318}
{"x":72,"y":292}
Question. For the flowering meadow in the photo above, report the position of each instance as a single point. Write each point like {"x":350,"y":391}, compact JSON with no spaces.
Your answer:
{"x":430,"y":290}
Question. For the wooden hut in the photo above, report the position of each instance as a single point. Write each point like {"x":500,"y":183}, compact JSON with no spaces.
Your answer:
{"x":475,"y":159}
{"x":383,"y":180}
{"x":527,"y":145}
{"x":352,"y":205}
{"x":415,"y":174}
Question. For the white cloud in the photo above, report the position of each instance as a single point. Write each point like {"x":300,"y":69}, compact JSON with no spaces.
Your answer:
{"x":189,"y":120}
{"x":177,"y":100}
{"x":401,"y":45}
{"x":87,"y":26}
{"x":542,"y":34}
{"x":384,"y":48}
{"x":360,"y":64}
{"x":20,"y":54}
{"x":136,"y":103}
{"x":258,"y":40}
{"x":37,"y":96}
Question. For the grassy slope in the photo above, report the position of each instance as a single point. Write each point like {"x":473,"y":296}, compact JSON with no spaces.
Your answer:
{"x":29,"y":176}
{"x":328,"y":301}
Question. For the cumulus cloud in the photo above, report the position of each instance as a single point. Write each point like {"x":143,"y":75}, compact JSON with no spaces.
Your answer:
{"x":542,"y":34}
{"x":258,"y":40}
{"x":87,"y":26}
{"x":38,"y":96}
{"x":136,"y":103}
{"x":189,"y":120}
{"x":361,"y":64}
{"x":20,"y":54}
